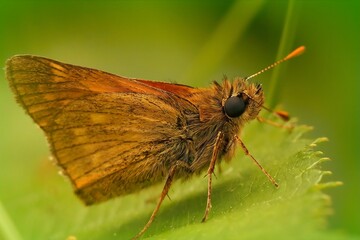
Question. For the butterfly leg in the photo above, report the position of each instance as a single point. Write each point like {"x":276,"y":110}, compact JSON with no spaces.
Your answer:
{"x":170,"y":177}
{"x":246,"y":151}
{"x":210,"y":172}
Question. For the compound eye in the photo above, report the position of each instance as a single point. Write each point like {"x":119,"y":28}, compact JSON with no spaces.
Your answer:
{"x":234,"y":106}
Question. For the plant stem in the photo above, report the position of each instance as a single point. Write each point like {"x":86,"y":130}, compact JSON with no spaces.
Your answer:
{"x":7,"y":228}
{"x":286,"y":42}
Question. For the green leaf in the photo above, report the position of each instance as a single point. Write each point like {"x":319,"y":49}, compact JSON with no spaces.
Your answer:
{"x":245,"y":204}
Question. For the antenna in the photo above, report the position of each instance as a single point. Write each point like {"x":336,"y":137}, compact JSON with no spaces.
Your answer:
{"x":293,"y":54}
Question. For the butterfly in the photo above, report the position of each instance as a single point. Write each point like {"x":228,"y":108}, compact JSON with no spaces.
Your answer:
{"x":114,"y":135}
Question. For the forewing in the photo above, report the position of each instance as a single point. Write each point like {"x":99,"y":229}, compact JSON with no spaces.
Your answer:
{"x":181,"y":90}
{"x":111,"y":135}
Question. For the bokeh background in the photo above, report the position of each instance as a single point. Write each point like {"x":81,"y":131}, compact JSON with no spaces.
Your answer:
{"x":195,"y":42}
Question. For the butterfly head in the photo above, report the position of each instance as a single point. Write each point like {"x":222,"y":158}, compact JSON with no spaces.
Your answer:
{"x":244,"y":100}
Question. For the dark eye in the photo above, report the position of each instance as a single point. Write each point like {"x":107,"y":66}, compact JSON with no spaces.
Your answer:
{"x":234,"y":106}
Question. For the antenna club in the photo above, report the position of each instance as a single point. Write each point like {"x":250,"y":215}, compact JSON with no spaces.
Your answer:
{"x":298,"y":51}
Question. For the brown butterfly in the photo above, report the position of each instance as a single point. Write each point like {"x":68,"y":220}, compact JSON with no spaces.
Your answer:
{"x":114,"y":135}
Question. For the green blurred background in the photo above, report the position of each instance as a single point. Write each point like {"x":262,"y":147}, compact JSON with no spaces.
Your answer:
{"x":195,"y":42}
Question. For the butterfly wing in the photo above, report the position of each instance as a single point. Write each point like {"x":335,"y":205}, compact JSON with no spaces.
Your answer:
{"x":184,"y":91}
{"x":111,"y":135}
